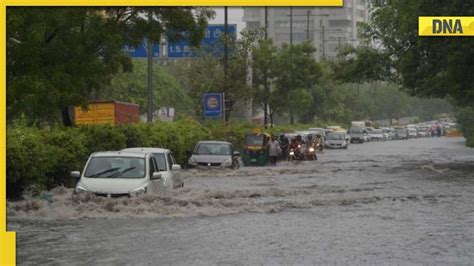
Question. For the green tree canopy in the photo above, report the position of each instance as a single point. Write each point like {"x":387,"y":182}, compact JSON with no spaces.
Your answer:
{"x":58,"y":57}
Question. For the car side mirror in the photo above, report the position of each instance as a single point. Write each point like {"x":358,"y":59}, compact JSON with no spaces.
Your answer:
{"x":75,"y":174}
{"x":236,"y":153}
{"x":175,"y":167}
{"x":156,"y":175}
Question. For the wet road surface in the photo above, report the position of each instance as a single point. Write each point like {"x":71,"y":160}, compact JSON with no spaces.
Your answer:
{"x":397,"y":202}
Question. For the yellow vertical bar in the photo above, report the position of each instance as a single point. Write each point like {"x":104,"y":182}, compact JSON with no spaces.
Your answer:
{"x":7,"y":240}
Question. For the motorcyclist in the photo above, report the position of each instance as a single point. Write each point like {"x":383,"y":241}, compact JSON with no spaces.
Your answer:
{"x":284,"y":145}
{"x":319,"y":142}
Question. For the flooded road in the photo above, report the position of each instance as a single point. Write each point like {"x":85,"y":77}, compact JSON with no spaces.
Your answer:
{"x":400,"y":202}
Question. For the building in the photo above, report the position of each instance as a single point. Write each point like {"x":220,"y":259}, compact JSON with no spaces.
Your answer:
{"x":326,"y":28}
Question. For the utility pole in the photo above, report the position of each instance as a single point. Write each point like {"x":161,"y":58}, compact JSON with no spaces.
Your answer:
{"x":291,"y":60}
{"x":323,"y":38}
{"x":308,"y":13}
{"x":267,"y":91}
{"x":149,"y":114}
{"x":226,"y":52}
{"x":226,"y":58}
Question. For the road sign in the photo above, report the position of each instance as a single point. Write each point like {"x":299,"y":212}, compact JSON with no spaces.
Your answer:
{"x":141,"y":50}
{"x":211,"y":42}
{"x":213,"y":105}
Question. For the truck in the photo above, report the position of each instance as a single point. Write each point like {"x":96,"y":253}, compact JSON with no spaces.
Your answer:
{"x":107,"y":112}
{"x":357,"y":124}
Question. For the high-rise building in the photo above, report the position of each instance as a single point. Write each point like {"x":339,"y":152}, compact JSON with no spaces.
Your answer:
{"x":326,"y":28}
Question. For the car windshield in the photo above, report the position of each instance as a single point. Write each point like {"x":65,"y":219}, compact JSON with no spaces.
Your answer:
{"x":335,"y":136}
{"x":213,"y":149}
{"x":356,"y":131}
{"x":377,"y":131}
{"x":254,"y":140}
{"x":115,"y":167}
{"x":400,"y":130}
{"x":161,"y":160}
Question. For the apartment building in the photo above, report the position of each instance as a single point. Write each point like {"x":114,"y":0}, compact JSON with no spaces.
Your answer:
{"x":326,"y":28}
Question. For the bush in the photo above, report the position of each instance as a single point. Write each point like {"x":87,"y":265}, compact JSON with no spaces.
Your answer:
{"x":45,"y":157}
{"x":465,"y":120}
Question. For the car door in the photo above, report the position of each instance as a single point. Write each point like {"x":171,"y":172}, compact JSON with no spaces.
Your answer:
{"x":156,"y":185}
{"x":176,"y":175}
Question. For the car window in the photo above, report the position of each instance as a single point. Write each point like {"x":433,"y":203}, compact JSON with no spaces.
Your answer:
{"x":160,"y":160}
{"x":115,"y":167}
{"x":170,"y":161}
{"x":213,"y":149}
{"x":172,"y":157}
{"x":152,"y":166}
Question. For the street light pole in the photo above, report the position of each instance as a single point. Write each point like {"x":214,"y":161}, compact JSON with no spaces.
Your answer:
{"x":307,"y":24}
{"x":149,"y":115}
{"x":267,"y":91}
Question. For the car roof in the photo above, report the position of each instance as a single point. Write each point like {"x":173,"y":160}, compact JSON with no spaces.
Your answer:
{"x":119,"y":154}
{"x":145,"y":149}
{"x":214,"y":142}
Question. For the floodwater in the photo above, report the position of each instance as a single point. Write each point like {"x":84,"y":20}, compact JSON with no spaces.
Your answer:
{"x":394,"y":202}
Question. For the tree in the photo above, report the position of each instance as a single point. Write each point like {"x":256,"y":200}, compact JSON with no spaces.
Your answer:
{"x":423,"y":66}
{"x":59,"y":57}
{"x":296,"y":72}
{"x":130,"y":87}
{"x":205,"y":73}
{"x":263,"y":58}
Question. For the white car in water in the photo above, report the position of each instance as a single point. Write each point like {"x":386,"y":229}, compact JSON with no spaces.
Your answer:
{"x":214,"y":154}
{"x":378,"y":134}
{"x":337,"y":140}
{"x":170,"y":170}
{"x":122,"y":173}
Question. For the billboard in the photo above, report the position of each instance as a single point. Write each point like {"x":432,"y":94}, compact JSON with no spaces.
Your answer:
{"x":211,"y":42}
{"x":213,"y":105}
{"x":141,"y":50}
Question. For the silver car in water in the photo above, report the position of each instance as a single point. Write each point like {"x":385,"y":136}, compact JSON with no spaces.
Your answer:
{"x":214,"y":154}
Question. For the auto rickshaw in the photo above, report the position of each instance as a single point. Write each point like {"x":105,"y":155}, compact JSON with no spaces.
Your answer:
{"x":255,"y":150}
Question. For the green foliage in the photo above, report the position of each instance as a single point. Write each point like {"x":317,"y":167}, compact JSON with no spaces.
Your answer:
{"x":465,"y":120}
{"x":44,"y":157}
{"x":65,"y":56}
{"x":102,"y":138}
{"x":423,"y":66}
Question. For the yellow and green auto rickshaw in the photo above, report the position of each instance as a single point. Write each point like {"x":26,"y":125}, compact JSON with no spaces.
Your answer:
{"x":255,"y":150}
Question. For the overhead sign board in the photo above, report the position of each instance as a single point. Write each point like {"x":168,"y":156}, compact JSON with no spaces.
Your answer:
{"x":213,"y":105}
{"x":211,"y":42}
{"x":141,"y":50}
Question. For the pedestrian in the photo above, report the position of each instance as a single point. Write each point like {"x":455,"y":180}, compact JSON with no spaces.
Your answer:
{"x":274,"y":150}
{"x":438,"y":130}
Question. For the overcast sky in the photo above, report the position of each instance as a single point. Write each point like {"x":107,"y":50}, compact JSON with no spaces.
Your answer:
{"x":235,"y":16}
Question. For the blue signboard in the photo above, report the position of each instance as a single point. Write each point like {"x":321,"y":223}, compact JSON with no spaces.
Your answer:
{"x":211,"y":42}
{"x":213,"y":105}
{"x":141,"y":50}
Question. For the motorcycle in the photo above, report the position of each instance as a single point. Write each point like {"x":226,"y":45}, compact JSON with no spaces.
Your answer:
{"x":295,"y":153}
{"x":310,"y":152}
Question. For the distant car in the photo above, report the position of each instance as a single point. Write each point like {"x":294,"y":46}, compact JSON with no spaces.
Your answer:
{"x":169,"y":168}
{"x":378,"y":134}
{"x":118,"y":173}
{"x":214,"y":154}
{"x":401,"y":133}
{"x":337,"y":140}
{"x":412,"y":132}
{"x":358,"y":135}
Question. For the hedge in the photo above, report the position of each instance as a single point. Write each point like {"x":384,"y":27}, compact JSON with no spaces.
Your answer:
{"x":465,"y":120}
{"x":44,"y":157}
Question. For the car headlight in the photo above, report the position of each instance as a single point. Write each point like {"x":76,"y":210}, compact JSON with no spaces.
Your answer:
{"x":311,"y":149}
{"x":80,"y":189}
{"x":344,"y":143}
{"x":227,"y":162}
{"x":192,"y":161}
{"x":327,"y":142}
{"x":138,"y":192}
